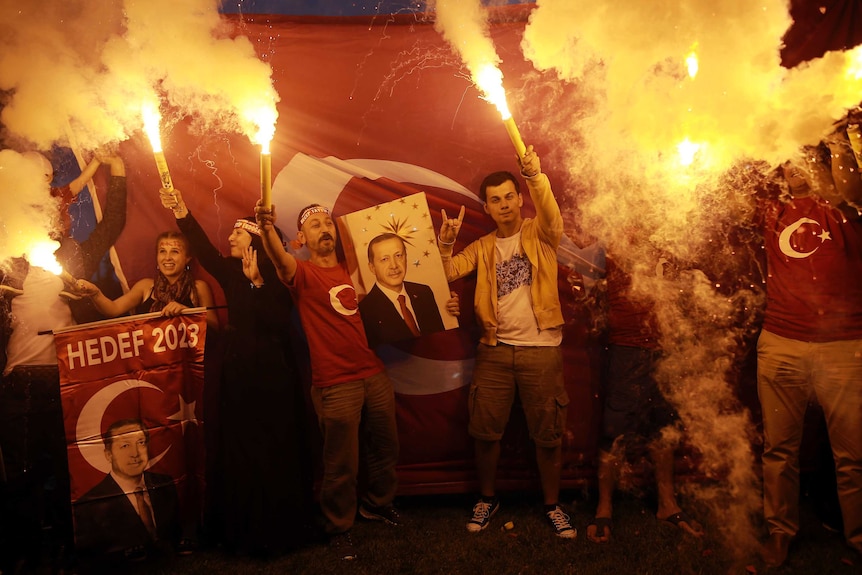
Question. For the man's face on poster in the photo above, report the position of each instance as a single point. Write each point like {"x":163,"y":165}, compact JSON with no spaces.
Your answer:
{"x":128,"y":453}
{"x":388,"y":263}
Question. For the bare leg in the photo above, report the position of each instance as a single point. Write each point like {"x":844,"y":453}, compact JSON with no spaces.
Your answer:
{"x":608,"y":470}
{"x":662,"y":456}
{"x":487,"y":457}
{"x":548,"y":459}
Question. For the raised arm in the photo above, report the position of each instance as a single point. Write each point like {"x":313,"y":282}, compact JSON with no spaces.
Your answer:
{"x":76,"y":185}
{"x":113,"y":220}
{"x":547,"y":210}
{"x":285,"y":263}
{"x":203,"y":249}
{"x":845,"y":172}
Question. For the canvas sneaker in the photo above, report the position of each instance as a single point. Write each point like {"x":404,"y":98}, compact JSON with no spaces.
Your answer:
{"x":385,"y":513}
{"x":341,"y":545}
{"x":560,"y":522}
{"x":483,"y":511}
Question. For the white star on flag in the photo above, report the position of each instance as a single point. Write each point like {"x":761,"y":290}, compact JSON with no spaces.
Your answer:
{"x":186,"y":414}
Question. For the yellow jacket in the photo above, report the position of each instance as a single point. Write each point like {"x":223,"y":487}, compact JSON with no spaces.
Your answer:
{"x":540,"y":238}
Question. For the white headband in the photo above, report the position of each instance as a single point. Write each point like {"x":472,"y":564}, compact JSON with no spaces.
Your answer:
{"x":248,"y":226}
{"x":307,"y":212}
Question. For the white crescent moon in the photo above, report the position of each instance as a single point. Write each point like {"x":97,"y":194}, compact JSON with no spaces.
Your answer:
{"x":784,"y":239}
{"x":88,"y":432}
{"x":336,"y":303}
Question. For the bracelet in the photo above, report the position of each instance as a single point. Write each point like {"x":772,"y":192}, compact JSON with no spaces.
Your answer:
{"x":253,"y":286}
{"x":442,"y":243}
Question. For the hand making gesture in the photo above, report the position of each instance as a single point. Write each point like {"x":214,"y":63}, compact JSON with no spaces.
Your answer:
{"x":249,"y":266}
{"x":450,"y":227}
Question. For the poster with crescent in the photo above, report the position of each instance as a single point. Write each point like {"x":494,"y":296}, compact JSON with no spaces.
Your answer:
{"x":399,"y":275}
{"x":131,"y":391}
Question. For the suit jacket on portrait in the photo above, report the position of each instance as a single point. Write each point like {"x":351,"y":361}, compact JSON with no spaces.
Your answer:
{"x":383,"y":322}
{"x":106,"y":521}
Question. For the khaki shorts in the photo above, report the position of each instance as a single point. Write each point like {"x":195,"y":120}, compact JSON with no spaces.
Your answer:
{"x":536,"y":373}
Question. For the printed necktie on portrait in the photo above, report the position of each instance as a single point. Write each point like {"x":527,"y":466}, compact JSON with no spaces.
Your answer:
{"x":146,"y":513}
{"x":408,"y":317}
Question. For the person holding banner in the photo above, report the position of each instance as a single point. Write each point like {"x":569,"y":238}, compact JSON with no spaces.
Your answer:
{"x":33,"y":301}
{"x":262,"y":493}
{"x":349,"y":385}
{"x":170,"y":292}
{"x":518,"y":305}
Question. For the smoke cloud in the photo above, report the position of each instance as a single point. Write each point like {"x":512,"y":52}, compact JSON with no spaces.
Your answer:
{"x":26,"y":203}
{"x":77,"y":73}
{"x":616,"y":98}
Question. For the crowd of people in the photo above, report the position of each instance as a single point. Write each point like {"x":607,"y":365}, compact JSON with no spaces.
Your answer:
{"x":809,"y":349}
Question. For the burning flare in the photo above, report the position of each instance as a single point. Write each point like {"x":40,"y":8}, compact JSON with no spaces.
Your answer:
{"x":265,"y":118}
{"x":42,"y":255}
{"x":152,"y":119}
{"x":490,"y":81}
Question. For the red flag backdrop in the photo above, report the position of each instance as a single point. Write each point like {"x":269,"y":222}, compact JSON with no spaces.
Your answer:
{"x":369,"y":114}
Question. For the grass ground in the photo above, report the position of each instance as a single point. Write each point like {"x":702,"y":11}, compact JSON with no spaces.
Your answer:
{"x":435,"y":541}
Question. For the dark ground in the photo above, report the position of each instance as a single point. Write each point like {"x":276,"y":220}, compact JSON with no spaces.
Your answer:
{"x":435,"y":541}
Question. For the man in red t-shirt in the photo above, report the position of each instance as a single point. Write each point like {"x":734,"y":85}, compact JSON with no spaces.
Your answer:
{"x":810,"y":347}
{"x":349,"y":384}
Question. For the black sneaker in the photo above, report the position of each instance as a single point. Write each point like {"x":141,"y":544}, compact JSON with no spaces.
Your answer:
{"x":135,"y":554}
{"x":560,"y":522}
{"x":386,"y":513}
{"x":483,"y":511}
{"x":342,"y":546}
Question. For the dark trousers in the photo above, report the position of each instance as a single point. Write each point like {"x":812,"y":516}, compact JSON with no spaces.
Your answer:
{"x":35,"y":506}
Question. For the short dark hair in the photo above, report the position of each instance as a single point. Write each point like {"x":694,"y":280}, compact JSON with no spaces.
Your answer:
{"x":496,"y":179}
{"x":383,"y":238}
{"x":108,"y":436}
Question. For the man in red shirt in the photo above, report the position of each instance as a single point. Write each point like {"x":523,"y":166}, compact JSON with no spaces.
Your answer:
{"x":810,"y":347}
{"x":349,"y":384}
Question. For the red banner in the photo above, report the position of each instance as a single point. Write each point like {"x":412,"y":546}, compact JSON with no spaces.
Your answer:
{"x":132,"y":393}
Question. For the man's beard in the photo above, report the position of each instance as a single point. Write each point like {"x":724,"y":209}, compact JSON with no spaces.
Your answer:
{"x":329,"y":248}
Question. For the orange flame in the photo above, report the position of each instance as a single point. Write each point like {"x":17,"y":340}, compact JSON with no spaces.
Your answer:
{"x":152,"y":119}
{"x":264,"y":118}
{"x":691,"y":61}
{"x":687,"y":150}
{"x":42,"y":255}
{"x":489,"y":79}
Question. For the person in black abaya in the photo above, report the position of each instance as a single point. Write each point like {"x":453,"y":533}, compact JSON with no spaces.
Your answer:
{"x":260,"y":473}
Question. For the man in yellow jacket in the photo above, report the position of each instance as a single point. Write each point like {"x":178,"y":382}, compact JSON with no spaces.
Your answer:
{"x":518,"y":306}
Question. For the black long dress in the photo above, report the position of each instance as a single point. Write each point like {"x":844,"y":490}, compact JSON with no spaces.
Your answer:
{"x":260,"y":475}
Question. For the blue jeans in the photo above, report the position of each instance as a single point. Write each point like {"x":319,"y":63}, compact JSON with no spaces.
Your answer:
{"x":790,"y":373}
{"x":347,"y":413}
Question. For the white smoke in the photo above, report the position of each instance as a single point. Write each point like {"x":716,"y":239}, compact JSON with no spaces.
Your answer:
{"x":614,"y":98}
{"x":77,"y":73}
